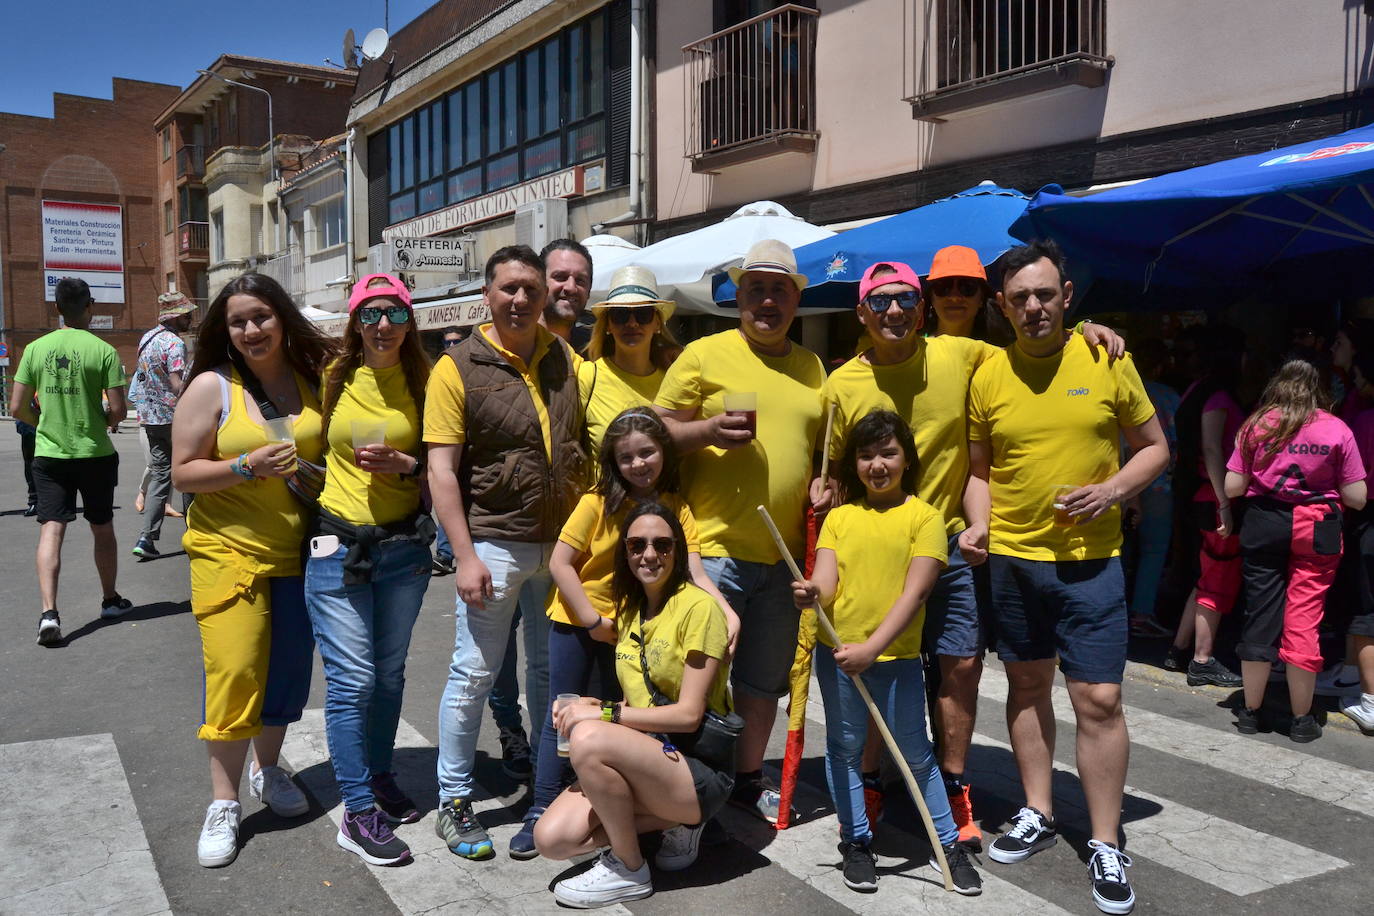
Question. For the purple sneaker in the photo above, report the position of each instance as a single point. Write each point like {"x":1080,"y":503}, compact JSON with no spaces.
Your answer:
{"x":368,"y":833}
{"x":395,"y":804}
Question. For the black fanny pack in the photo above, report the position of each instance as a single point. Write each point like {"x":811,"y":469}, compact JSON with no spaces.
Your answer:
{"x":713,"y":743}
{"x":360,"y":539}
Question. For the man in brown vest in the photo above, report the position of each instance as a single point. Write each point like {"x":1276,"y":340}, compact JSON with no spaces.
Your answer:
{"x":503,"y":422}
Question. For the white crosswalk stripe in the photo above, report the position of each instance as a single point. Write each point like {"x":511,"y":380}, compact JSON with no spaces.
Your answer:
{"x":97,"y":861}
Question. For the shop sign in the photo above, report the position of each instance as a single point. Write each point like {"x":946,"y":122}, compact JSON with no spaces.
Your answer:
{"x":457,"y":314}
{"x":567,"y":183}
{"x":426,"y":255}
{"x":85,"y":241}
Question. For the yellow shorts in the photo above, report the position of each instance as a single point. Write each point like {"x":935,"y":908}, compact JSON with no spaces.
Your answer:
{"x":236,"y":641}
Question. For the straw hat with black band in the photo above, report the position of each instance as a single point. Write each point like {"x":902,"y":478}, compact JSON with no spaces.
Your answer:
{"x":633,"y":286}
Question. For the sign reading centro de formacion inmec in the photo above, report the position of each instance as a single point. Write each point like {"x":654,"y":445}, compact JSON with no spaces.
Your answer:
{"x":85,"y":241}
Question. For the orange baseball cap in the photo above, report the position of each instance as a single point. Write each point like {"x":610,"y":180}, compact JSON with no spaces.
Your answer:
{"x":957,"y":261}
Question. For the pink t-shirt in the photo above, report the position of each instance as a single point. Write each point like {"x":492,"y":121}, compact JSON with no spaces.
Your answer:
{"x":1321,"y":458}
{"x":1235,"y":418}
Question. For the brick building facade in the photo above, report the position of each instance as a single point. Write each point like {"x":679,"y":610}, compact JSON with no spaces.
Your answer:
{"x":91,"y":151}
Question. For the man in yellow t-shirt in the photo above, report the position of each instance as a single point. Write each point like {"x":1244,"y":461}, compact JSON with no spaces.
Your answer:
{"x":1045,"y":419}
{"x":503,"y":422}
{"x":728,"y":471}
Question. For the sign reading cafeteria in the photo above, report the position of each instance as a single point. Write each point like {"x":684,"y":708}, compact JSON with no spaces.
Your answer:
{"x":567,"y":183}
{"x":85,"y":241}
{"x":422,"y":255}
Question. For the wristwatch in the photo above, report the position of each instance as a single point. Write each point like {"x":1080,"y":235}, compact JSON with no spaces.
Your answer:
{"x":417,"y":470}
{"x":610,"y":711}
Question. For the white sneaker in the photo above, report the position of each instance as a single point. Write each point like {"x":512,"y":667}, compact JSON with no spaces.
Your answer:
{"x":606,"y":882}
{"x":1361,"y":710}
{"x":219,"y":836}
{"x":273,"y":786}
{"x":679,"y":848}
{"x":1339,"y":681}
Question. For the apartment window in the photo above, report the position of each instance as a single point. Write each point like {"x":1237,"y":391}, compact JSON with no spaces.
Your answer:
{"x":328,"y":223}
{"x":539,"y":111}
{"x":217,"y":236}
{"x":171,"y":282}
{"x":255,"y":228}
{"x":213,"y":117}
{"x":233,"y":113}
{"x":168,"y":217}
{"x":166,"y":143}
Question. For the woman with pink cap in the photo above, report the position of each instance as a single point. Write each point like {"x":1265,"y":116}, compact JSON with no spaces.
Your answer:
{"x":369,"y":559}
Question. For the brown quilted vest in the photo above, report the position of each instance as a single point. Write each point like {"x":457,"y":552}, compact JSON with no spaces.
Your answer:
{"x":510,"y":488}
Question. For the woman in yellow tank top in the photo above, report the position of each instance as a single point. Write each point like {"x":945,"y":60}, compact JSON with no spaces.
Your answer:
{"x":369,"y":563}
{"x":243,"y":536}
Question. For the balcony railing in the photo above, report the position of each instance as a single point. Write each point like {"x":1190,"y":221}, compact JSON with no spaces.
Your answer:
{"x":191,"y":161}
{"x":751,"y":89}
{"x":287,"y":267}
{"x":987,"y":51}
{"x":193,"y":239}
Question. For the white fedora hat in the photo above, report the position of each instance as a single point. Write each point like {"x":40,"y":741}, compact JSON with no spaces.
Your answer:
{"x":769,"y":256}
{"x":634,"y":285}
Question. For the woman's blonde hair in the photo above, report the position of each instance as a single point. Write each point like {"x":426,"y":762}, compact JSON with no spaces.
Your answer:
{"x":663,"y":347}
{"x":1293,"y":395}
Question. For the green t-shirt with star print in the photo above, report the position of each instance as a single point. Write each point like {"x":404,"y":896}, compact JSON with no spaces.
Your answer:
{"x":69,"y":370}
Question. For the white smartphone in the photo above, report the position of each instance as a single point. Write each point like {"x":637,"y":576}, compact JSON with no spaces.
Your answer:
{"x":324,"y":546}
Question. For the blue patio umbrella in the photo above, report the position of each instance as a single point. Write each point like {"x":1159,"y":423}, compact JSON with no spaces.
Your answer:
{"x":1300,"y":217}
{"x":978,"y":217}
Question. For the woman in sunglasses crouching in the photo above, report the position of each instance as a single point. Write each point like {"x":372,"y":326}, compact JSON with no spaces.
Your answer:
{"x":652,"y":762}
{"x":369,"y":559}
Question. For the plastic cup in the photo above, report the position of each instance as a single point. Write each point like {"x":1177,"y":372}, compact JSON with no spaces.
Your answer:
{"x":564,"y":699}
{"x":279,"y":429}
{"x":1062,"y":518}
{"x":365,"y":433}
{"x":744,"y":404}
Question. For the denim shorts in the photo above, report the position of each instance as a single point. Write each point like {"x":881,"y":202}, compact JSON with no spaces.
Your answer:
{"x":761,"y":594}
{"x":953,"y":625}
{"x":713,"y":787}
{"x":1073,"y":608}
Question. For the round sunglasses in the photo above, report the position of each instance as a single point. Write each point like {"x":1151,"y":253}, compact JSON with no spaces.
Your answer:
{"x":637,"y":546}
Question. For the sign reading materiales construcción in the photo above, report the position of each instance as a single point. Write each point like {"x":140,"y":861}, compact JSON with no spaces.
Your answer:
{"x":85,"y":241}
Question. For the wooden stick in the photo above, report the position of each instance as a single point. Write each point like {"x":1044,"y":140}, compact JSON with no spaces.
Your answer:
{"x":825,"y":445}
{"x":890,"y":741}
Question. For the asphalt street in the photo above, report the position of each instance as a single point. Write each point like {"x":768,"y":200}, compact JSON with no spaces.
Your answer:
{"x":106,"y":786}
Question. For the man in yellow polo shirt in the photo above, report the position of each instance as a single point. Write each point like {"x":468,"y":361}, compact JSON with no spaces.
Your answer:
{"x":1046,"y":416}
{"x":728,"y":470}
{"x":503,"y":422}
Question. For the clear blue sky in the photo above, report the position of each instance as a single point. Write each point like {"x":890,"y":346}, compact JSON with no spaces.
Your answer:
{"x":78,"y":46}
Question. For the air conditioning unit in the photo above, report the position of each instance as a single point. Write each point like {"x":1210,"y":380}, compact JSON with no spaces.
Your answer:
{"x":541,"y":221}
{"x":378,"y":259}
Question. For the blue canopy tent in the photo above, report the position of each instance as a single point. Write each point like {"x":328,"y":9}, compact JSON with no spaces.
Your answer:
{"x":1298,"y":219}
{"x":978,"y":218}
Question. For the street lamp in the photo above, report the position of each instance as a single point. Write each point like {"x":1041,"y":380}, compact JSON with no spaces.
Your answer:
{"x":271,"y":134}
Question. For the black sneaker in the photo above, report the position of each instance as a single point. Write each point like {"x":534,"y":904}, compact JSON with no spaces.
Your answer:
{"x":441,"y":565}
{"x":31,"y":511}
{"x":1304,"y":729}
{"x":1212,"y":672}
{"x":515,"y":754}
{"x":50,"y":629}
{"x":963,"y":875}
{"x":460,"y":830}
{"x":115,"y":606}
{"x":368,"y":833}
{"x":1248,"y":721}
{"x":1030,"y":832}
{"x":146,"y":550}
{"x":1111,"y":891}
{"x":394,"y":803}
{"x":1177,"y":659}
{"x":860,"y":867}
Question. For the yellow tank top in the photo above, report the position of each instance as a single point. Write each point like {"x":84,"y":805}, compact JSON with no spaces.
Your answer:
{"x":256,"y":526}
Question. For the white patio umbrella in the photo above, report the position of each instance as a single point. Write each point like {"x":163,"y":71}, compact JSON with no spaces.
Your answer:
{"x":684,"y":264}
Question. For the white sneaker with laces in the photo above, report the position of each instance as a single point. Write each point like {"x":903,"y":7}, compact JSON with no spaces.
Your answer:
{"x":606,"y":882}
{"x":1361,"y":710}
{"x":273,"y":786}
{"x":219,"y":836}
{"x":679,"y":848}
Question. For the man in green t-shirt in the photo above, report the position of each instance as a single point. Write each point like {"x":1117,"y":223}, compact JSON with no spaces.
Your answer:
{"x":70,"y":370}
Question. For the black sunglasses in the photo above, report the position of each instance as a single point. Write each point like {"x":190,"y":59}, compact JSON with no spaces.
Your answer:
{"x":637,"y":546}
{"x":371,"y":314}
{"x":950,"y":286}
{"x":642,"y":314}
{"x":881,"y":302}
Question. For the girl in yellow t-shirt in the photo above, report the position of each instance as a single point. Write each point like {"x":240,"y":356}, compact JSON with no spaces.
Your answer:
{"x":877,"y":559}
{"x":638,"y":465}
{"x":369,"y":560}
{"x":630,"y":777}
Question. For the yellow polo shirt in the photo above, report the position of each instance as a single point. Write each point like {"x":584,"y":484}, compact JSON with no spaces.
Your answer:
{"x":929,"y":390}
{"x":445,"y":399}
{"x":723,"y":486}
{"x":1053,"y":420}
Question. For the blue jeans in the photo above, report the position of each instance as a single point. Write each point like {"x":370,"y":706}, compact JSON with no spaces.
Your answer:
{"x":364,"y":634}
{"x":761,"y":594}
{"x":1152,"y":546}
{"x":573,"y":657}
{"x":442,"y":548}
{"x":519,"y":578}
{"x":899,"y":692}
{"x":289,"y":661}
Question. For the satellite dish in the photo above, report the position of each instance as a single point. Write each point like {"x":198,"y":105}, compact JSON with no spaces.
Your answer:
{"x":350,"y":50}
{"x":374,"y":45}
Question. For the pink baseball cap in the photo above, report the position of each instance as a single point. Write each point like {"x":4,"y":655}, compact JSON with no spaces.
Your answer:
{"x":362,"y":292}
{"x":896,"y":272}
